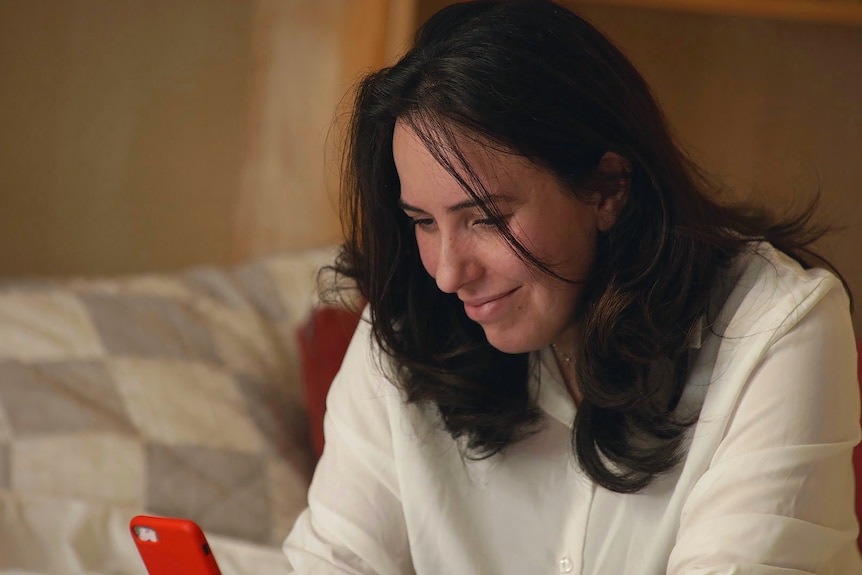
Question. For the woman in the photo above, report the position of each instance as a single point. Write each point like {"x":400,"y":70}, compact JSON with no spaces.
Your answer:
{"x":575,"y":358}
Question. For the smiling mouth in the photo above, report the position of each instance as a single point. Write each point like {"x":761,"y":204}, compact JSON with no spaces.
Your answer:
{"x":488,"y":308}
{"x":481,"y":302}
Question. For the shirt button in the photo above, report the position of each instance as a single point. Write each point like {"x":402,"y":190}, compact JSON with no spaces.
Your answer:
{"x":566,"y":565}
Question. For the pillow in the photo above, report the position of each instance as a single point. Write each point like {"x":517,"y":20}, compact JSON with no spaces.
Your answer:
{"x":857,"y":453}
{"x":323,"y":341}
{"x":171,"y":394}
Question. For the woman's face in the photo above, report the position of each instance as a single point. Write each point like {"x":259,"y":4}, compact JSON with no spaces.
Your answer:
{"x":520,"y":308}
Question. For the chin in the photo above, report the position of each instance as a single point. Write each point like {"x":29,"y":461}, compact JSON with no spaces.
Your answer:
{"x":510,"y":343}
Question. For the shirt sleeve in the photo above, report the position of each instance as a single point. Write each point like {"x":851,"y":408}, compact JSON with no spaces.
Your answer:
{"x":778,"y":495}
{"x":354,"y":523}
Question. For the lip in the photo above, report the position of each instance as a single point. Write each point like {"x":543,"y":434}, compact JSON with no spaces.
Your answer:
{"x":487,"y":308}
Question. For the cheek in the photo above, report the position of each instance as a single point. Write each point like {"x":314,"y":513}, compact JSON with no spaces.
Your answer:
{"x":505,"y":262}
{"x":573,"y":245}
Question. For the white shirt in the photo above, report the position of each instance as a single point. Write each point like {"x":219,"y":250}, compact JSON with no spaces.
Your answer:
{"x":766,"y":486}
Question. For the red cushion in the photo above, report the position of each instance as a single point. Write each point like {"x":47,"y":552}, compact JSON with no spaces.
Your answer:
{"x":323,"y":341}
{"x":857,"y":453}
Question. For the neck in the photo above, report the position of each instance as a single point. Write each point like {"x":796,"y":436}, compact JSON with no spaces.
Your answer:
{"x":566,"y":366}
{"x":565,"y":344}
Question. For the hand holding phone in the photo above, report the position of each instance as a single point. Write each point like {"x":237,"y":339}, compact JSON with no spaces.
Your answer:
{"x":170,"y":546}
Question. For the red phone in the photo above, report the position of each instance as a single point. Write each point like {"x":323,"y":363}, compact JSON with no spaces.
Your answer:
{"x":170,"y":546}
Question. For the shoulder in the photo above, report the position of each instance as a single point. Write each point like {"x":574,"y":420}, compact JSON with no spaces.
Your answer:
{"x":771,"y":315}
{"x":780,"y":334}
{"x":769,"y":293}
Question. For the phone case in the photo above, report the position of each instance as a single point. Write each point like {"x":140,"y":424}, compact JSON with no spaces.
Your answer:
{"x":170,"y":546}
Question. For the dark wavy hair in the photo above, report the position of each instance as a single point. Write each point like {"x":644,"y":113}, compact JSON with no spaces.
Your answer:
{"x":532,"y":78}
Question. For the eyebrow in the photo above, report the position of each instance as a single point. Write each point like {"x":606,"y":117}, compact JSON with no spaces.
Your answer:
{"x":465,"y":205}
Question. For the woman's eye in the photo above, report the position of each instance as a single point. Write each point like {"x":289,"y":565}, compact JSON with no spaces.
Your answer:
{"x":488,"y":221}
{"x":422,"y":222}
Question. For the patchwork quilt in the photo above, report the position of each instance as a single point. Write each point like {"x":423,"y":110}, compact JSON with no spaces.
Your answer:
{"x":168,"y":394}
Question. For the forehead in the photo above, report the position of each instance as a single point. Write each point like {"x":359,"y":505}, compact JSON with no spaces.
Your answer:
{"x":436,"y":158}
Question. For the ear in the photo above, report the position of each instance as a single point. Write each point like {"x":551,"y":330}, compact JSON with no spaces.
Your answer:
{"x":616,"y":169}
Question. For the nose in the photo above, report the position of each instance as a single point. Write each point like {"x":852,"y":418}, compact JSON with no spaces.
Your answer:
{"x":455,"y":265}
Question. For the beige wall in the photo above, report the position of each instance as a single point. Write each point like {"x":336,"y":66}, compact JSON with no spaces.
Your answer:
{"x":771,"y":106}
{"x":158,"y":134}
{"x":122,"y":123}
{"x":285,"y":195}
{"x":307,"y":55}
